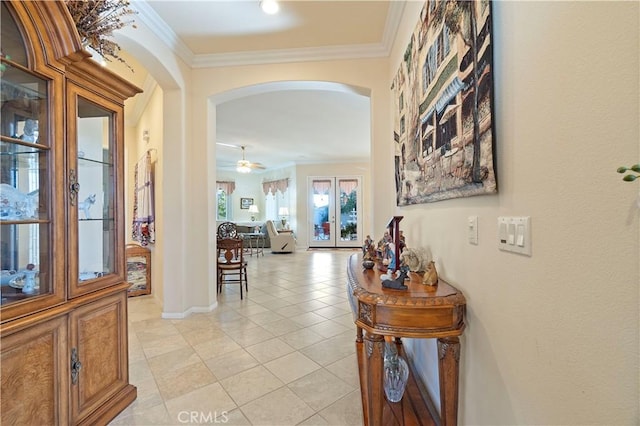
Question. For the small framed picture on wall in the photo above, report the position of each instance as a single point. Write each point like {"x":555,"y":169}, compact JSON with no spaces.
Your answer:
{"x":246,"y":202}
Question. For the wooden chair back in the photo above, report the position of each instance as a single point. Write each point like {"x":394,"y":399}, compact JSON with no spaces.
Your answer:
{"x":230,"y":251}
{"x":231,"y":265}
{"x":227,"y":230}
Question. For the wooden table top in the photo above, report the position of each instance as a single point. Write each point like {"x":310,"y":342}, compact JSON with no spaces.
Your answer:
{"x":368,"y":286}
{"x":420,"y":311}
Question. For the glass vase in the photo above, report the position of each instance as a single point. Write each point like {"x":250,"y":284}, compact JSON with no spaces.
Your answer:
{"x":396,"y":373}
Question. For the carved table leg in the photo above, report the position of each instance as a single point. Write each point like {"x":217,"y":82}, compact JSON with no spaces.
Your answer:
{"x":448,"y":366}
{"x":358,"y":334}
{"x":374,"y":348}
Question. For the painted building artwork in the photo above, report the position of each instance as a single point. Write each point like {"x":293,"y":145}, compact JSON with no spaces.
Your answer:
{"x":443,"y":134}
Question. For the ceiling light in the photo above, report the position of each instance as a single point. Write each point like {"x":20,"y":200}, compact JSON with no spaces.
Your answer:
{"x":243,"y":167}
{"x":270,"y":7}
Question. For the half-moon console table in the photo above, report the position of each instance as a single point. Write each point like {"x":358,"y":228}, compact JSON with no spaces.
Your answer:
{"x":419,"y":312}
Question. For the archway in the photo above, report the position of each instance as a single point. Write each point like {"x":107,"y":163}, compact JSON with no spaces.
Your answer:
{"x":284,"y":91}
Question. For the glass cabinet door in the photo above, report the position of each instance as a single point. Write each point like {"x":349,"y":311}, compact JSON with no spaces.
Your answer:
{"x":93,"y":190}
{"x":25,"y":210}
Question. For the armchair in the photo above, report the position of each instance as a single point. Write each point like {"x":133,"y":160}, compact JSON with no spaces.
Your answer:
{"x":280,"y":242}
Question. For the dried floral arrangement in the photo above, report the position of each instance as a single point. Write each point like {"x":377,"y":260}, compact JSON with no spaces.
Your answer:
{"x":96,"y":20}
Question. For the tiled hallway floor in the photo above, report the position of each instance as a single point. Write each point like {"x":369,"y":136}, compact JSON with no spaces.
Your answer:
{"x":284,"y":355}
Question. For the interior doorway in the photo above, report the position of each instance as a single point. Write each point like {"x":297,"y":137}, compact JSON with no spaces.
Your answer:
{"x":334,"y":211}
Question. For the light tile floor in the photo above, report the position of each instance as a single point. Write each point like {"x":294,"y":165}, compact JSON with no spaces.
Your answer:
{"x":285,"y":355}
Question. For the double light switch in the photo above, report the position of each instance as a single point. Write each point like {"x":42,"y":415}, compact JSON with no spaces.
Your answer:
{"x":514,"y":234}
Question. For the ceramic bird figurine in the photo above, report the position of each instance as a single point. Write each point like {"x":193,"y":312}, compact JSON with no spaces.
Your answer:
{"x":431,"y":275}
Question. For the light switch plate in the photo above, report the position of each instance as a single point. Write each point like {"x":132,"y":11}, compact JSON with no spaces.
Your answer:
{"x":514,"y":234}
{"x":472,"y":229}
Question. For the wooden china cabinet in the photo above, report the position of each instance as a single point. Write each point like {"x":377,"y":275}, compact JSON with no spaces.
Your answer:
{"x":63,"y":315}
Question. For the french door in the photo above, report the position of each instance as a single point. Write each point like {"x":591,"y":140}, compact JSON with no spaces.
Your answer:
{"x":335,"y":211}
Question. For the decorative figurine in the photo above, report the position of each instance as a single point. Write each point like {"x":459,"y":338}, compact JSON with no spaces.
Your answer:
{"x":17,"y":205}
{"x":30,"y":131}
{"x":416,"y":259}
{"x":86,"y":205}
{"x":368,"y":253}
{"x":390,"y":254}
{"x":382,"y":245}
{"x":371,"y":255}
{"x":368,"y":249}
{"x":398,"y":283}
{"x":367,"y":242}
{"x":403,"y":243}
{"x":431,"y":275}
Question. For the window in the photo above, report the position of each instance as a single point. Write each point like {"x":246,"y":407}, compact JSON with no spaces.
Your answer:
{"x":273,"y":202}
{"x":276,"y":196}
{"x":224,"y":203}
{"x":224,"y":200}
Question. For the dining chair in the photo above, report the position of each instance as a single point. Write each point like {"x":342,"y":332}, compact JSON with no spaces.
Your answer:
{"x":227,"y":230}
{"x":231,"y":265}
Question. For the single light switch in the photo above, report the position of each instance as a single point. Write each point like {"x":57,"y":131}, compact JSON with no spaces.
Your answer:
{"x":520,"y":235}
{"x":502,"y":233}
{"x":511,"y":234}
{"x":472,"y":229}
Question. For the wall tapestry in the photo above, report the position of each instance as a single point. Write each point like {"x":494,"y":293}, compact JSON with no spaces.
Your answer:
{"x":443,"y":135}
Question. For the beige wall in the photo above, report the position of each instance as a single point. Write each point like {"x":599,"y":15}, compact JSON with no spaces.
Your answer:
{"x":551,"y":338}
{"x":135,"y":149}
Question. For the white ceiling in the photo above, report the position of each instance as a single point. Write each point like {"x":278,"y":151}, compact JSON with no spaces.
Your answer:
{"x":296,"y":124}
{"x":212,"y":27}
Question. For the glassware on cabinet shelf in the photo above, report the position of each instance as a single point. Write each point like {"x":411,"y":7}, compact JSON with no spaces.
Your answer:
{"x":24,"y":171}
{"x":24,"y":261}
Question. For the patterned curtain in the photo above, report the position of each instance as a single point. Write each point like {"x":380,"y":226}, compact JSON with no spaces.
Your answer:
{"x":348,"y":185}
{"x":227,"y":187}
{"x":321,"y":186}
{"x":275,"y":185}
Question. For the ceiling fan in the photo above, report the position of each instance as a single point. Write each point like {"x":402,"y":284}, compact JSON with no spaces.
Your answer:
{"x":245,"y":166}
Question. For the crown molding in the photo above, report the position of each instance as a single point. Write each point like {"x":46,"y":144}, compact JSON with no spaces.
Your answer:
{"x":159,"y":27}
{"x":394,"y":17}
{"x":288,"y":55}
{"x":373,"y":50}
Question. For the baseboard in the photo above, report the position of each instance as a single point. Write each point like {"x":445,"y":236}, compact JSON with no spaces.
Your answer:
{"x":192,"y":310}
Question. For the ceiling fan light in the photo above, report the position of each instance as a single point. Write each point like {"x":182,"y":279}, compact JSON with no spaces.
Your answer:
{"x":243,"y":167}
{"x":270,"y":7}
